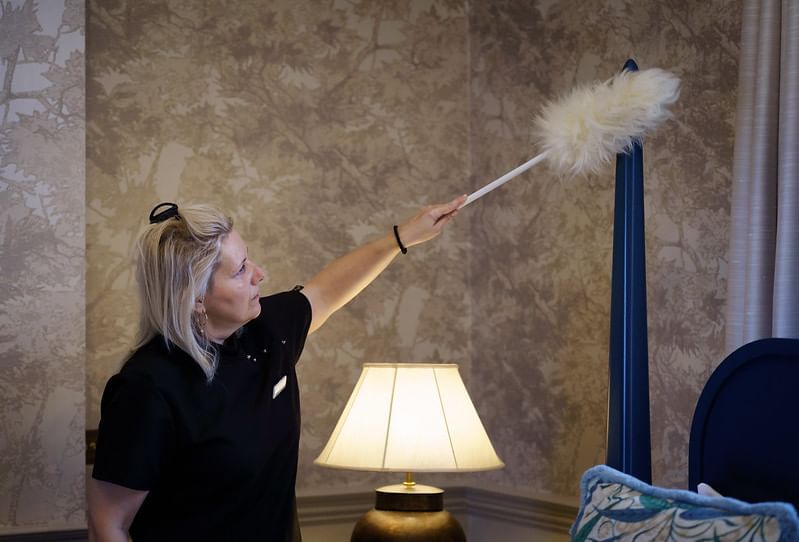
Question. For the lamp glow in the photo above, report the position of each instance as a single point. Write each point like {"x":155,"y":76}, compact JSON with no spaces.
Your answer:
{"x":410,"y":417}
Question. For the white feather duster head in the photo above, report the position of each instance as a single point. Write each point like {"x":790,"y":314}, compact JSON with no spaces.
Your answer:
{"x":588,"y":127}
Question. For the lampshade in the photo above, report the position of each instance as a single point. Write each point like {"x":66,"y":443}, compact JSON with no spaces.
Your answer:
{"x":410,"y":417}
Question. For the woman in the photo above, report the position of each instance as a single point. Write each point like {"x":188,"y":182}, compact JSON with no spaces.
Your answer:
{"x":199,"y":431}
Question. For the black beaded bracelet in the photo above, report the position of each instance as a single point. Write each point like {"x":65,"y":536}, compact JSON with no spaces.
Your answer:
{"x":399,"y":241}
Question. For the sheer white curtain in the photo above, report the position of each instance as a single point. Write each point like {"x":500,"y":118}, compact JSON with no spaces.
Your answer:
{"x":763,"y":289}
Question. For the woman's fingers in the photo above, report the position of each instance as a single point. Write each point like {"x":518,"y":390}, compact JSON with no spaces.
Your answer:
{"x":444,"y":213}
{"x":429,"y":222}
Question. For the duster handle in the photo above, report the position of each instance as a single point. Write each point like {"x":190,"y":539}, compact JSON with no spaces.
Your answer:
{"x":502,"y":180}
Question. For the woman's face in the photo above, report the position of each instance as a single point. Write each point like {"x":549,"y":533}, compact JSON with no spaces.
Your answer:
{"x":232,"y":297}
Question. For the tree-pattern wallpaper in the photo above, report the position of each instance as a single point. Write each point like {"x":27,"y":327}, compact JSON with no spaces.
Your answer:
{"x":540,"y":281}
{"x":42,"y":261}
{"x":318,"y":125}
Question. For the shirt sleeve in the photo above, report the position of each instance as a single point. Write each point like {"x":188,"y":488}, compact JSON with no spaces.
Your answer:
{"x":288,"y":315}
{"x":135,"y":437}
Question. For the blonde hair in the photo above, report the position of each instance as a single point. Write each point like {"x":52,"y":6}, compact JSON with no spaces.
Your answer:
{"x":175,"y":261}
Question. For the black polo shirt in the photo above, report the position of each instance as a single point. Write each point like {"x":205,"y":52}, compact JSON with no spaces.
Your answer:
{"x":219,"y":459}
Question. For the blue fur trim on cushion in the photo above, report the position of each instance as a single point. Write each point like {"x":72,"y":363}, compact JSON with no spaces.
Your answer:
{"x":615,"y":506}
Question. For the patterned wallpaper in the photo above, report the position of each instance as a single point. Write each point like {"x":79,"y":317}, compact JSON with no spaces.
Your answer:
{"x":317,"y":126}
{"x":42,"y":261}
{"x":540,"y":281}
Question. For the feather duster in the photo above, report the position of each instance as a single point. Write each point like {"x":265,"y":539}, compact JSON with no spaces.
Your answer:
{"x":586,"y":128}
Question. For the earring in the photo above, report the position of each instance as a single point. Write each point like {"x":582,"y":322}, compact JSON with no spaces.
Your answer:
{"x":203,"y":322}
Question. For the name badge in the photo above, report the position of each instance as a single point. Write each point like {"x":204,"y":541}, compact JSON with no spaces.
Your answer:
{"x":280,"y":386}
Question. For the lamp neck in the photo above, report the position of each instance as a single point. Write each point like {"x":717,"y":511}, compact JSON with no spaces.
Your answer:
{"x":408,"y":483}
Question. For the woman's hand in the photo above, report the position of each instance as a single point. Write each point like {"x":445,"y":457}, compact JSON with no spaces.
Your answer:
{"x":429,"y":222}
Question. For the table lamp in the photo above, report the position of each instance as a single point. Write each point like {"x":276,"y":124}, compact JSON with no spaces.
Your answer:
{"x":409,"y":417}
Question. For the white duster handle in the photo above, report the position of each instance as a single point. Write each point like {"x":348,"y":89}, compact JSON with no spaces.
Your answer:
{"x":502,"y":180}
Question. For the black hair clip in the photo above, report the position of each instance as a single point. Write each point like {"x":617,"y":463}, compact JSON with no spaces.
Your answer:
{"x":170,"y":211}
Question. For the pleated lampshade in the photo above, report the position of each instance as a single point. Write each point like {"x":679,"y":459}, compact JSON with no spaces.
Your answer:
{"x":410,"y":417}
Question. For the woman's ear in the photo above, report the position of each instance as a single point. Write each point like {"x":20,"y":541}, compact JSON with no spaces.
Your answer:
{"x":199,"y":306}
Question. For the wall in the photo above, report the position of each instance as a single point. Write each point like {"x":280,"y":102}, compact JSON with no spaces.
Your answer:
{"x":318,"y":127}
{"x":541,"y":247}
{"x":42,"y":262}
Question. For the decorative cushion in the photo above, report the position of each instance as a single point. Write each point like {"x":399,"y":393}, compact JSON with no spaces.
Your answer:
{"x":616,"y":507}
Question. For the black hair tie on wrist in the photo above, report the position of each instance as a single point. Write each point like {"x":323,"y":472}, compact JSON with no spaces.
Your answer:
{"x":170,"y":211}
{"x":399,"y":241}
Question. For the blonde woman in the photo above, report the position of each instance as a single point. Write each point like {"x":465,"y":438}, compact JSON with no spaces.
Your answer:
{"x":199,"y":431}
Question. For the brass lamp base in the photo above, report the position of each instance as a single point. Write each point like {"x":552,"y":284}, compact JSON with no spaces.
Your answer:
{"x":408,"y":513}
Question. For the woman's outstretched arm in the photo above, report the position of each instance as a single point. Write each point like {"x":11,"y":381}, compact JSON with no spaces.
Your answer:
{"x":344,"y":278}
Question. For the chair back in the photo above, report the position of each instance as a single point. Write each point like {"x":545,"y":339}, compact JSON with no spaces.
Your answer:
{"x":745,"y":431}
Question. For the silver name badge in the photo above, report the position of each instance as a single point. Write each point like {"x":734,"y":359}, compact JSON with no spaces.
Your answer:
{"x":280,"y":386}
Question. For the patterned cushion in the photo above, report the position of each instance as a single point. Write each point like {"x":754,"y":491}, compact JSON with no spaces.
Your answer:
{"x":616,"y":507}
